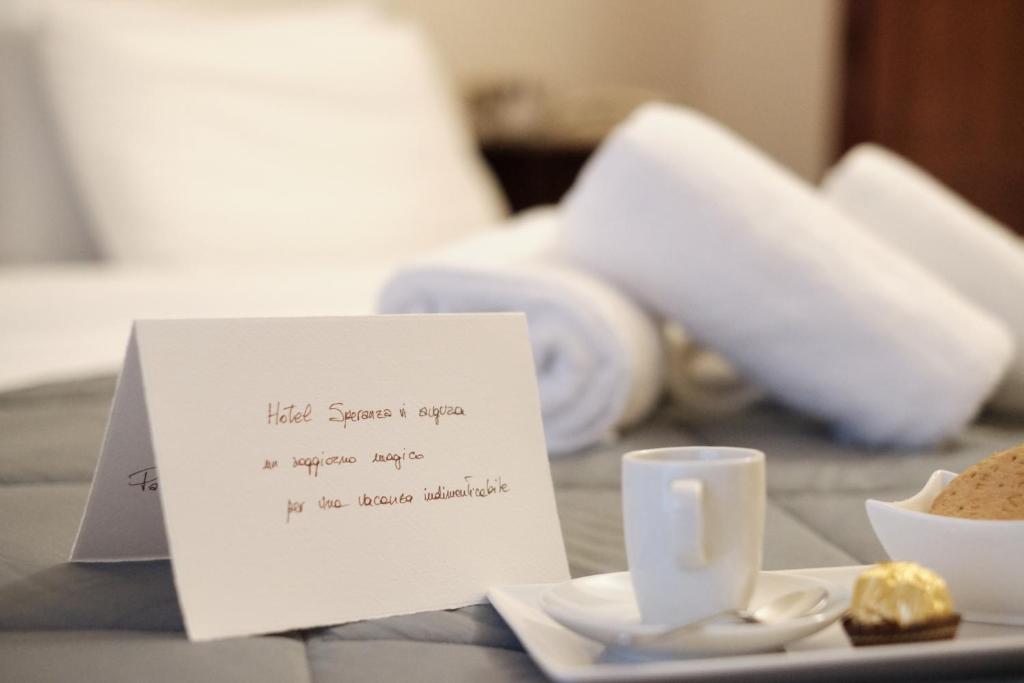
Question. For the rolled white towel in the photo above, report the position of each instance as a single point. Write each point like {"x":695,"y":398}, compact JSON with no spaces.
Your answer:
{"x":915,"y":213}
{"x":697,"y":224}
{"x":598,"y":356}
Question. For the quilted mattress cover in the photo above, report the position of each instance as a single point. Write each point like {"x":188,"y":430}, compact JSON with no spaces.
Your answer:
{"x":121,"y":622}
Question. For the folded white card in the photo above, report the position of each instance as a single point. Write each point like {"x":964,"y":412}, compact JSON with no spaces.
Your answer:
{"x":314,"y":471}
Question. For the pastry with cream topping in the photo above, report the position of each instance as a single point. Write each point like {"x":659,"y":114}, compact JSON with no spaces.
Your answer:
{"x":900,"y":602}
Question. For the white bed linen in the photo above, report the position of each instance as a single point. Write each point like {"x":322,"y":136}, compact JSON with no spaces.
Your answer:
{"x":62,"y":322}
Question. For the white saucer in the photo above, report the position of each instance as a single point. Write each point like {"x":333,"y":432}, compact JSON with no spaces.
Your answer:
{"x":603,"y":608}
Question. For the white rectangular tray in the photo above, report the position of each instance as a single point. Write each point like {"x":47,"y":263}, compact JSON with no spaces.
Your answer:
{"x":566,"y":656}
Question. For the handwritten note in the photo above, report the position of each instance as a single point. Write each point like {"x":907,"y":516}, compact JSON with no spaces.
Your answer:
{"x":305,"y":472}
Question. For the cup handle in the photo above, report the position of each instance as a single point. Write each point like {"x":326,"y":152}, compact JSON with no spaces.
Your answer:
{"x":688,"y":511}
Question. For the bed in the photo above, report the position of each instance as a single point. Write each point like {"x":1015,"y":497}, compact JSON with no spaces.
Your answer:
{"x":63,"y":329}
{"x":60,"y":621}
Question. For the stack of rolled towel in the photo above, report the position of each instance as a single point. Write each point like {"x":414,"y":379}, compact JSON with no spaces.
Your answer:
{"x":914,"y":214}
{"x":834,"y":302}
{"x":598,"y":356}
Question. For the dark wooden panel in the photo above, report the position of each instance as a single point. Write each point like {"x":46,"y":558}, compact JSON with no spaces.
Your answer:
{"x":942,"y":82}
{"x":531,"y":175}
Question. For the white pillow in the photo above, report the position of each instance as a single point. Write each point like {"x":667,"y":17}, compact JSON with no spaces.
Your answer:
{"x":324,"y":133}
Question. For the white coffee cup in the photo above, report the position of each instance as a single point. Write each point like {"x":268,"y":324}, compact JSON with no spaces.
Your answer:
{"x":694,"y":523}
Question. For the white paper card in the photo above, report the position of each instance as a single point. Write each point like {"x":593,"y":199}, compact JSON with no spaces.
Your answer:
{"x":315,"y":471}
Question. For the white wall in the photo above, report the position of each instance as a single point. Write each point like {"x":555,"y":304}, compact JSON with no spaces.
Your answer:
{"x":768,"y":68}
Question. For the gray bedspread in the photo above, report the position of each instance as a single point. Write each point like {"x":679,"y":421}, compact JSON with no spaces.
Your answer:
{"x":62,"y":622}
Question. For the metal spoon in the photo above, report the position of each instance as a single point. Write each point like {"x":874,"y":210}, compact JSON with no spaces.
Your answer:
{"x":786,"y":606}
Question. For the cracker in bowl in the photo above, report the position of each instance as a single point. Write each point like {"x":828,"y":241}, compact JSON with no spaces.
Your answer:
{"x":990,"y":489}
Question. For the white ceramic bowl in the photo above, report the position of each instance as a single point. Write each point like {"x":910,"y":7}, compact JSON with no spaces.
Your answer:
{"x":981,"y":560}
